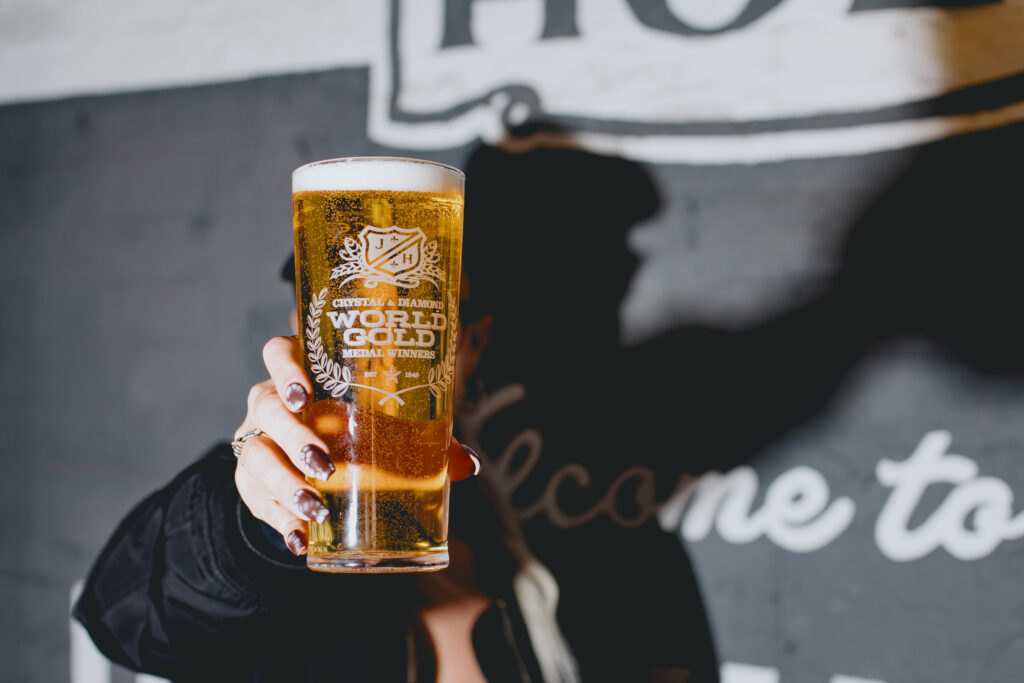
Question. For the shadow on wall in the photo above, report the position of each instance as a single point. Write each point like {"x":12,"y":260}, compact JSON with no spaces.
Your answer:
{"x":935,"y":257}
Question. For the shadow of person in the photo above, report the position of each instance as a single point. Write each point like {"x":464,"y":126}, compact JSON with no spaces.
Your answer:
{"x":935,"y":257}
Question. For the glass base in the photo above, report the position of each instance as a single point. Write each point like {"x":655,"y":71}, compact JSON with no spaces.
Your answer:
{"x":362,"y":562}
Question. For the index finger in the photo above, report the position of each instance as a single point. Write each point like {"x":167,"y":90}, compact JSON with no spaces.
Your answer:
{"x":283,"y":358}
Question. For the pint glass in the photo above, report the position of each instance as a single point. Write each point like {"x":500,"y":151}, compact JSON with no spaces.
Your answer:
{"x":378,"y":245}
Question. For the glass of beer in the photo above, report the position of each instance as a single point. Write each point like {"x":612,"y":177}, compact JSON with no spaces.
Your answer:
{"x":378,"y":247}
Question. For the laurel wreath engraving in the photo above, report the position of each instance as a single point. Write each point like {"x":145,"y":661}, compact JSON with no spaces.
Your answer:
{"x":354,"y":265}
{"x":337,"y":378}
{"x":440,"y":375}
{"x":334,"y":377}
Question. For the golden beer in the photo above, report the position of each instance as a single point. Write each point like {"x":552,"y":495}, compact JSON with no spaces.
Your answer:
{"x":378,"y":245}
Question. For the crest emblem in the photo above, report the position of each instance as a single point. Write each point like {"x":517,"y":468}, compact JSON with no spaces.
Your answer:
{"x":395,"y":256}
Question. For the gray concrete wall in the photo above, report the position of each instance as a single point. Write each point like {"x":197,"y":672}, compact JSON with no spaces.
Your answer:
{"x":142,"y":240}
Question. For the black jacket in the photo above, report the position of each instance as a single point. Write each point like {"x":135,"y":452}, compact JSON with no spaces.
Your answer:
{"x":192,"y":587}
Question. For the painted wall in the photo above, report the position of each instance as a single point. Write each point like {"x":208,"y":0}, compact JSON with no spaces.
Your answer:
{"x":821,"y":305}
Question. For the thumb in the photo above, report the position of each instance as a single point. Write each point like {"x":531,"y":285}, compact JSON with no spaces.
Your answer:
{"x":465,"y":462}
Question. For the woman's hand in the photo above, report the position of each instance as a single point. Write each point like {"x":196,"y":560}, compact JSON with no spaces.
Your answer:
{"x":270,"y":468}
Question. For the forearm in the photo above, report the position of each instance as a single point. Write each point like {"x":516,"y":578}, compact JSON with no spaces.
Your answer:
{"x":182,"y":573}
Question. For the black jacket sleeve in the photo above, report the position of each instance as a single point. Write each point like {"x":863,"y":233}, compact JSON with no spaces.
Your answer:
{"x":188,"y":570}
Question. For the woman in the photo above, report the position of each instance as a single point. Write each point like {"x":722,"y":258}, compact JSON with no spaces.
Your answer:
{"x":194,"y":586}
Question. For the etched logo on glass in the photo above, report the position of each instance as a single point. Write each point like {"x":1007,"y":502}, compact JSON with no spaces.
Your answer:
{"x":394,"y":256}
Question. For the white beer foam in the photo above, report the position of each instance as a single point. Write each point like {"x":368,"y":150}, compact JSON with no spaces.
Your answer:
{"x":369,"y":173}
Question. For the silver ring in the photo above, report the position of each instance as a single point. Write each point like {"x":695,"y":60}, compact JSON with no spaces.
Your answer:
{"x":236,"y":445}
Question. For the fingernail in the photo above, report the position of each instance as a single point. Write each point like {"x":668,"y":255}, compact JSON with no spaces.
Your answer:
{"x":295,"y":397}
{"x":316,"y":462}
{"x":310,"y":506}
{"x":295,"y":543}
{"x":475,"y":457}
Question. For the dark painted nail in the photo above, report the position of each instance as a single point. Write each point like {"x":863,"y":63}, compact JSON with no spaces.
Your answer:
{"x":295,"y":397}
{"x":475,"y":457}
{"x":316,"y":462}
{"x":310,"y":506}
{"x":295,"y":543}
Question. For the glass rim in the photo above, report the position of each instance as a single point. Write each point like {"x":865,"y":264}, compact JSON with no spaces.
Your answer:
{"x":390,"y":159}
